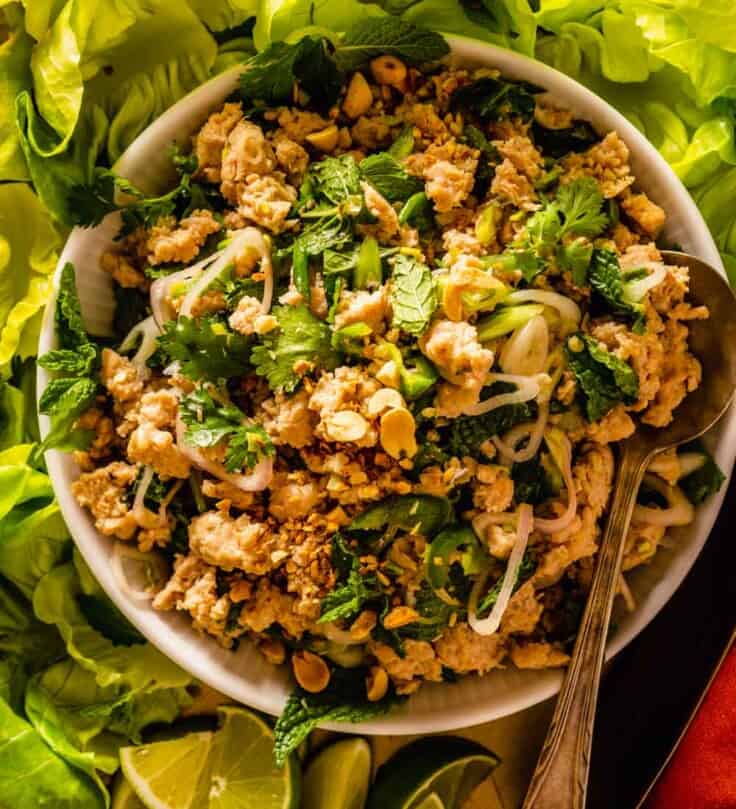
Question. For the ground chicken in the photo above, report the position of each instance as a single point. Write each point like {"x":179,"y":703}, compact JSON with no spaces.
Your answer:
{"x":550,"y":116}
{"x":527,"y":655}
{"x":388,"y":220}
{"x":194,"y":589}
{"x":493,"y":490}
{"x":247,"y":152}
{"x":593,"y":476}
{"x":642,"y":543}
{"x":512,"y":186}
{"x":270,"y":606}
{"x":577,"y":541}
{"x":425,"y":118}
{"x":371,"y":133}
{"x":243,"y":319}
{"x":211,"y":139}
{"x":607,"y":162}
{"x":419,"y":662}
{"x":105,"y":492}
{"x":624,"y":238}
{"x":362,"y":306}
{"x":297,"y":124}
{"x":523,"y":611}
{"x":292,"y":158}
{"x":644,"y":352}
{"x":457,"y":242}
{"x":289,"y":419}
{"x":103,"y":430}
{"x":616,"y":425}
{"x":523,"y":154}
{"x":153,"y":447}
{"x":230,"y":543}
{"x":646,"y":214}
{"x":455,"y":350}
{"x":294,"y":495}
{"x":448,"y":170}
{"x":122,"y":379}
{"x":463,"y":650}
{"x":122,"y":270}
{"x":680,"y":374}
{"x":347,"y":388}
{"x":227,"y":494}
{"x":170,"y":241}
{"x":265,"y":201}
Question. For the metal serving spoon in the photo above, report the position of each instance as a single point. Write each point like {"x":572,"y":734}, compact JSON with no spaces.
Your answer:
{"x":560,"y":780}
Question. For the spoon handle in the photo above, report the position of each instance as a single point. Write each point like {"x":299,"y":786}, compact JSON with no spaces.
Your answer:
{"x":561,"y":777}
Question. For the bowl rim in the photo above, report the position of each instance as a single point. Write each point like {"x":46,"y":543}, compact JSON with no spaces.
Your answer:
{"x":588,"y":105}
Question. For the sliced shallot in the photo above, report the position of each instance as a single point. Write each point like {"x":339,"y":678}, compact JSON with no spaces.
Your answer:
{"x":489,"y":625}
{"x":527,"y":388}
{"x":160,"y":288}
{"x":533,"y":429}
{"x":147,"y":330}
{"x":561,"y":450}
{"x":679,"y":511}
{"x":567,"y":307}
{"x":527,"y":349}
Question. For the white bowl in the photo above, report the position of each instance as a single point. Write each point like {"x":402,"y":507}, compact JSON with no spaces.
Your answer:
{"x":244,"y":675}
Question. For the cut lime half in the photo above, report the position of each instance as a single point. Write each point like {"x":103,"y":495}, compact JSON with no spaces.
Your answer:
{"x":338,"y":777}
{"x":123,"y":795}
{"x":232,"y":768}
{"x":440,"y":768}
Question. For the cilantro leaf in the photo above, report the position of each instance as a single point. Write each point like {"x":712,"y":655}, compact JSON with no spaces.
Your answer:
{"x":413,"y":295}
{"x":344,"y":700}
{"x":603,"y":379}
{"x":301,"y":337}
{"x":580,"y":203}
{"x":270,"y":75}
{"x":704,"y":481}
{"x":490,"y":99}
{"x":376,"y":36}
{"x":210,"y":422}
{"x":389,"y":177}
{"x":604,"y":276}
{"x":205,"y":348}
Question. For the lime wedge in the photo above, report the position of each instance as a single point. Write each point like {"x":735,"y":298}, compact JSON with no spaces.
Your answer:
{"x":242,"y":771}
{"x":338,"y":777}
{"x":232,"y":768}
{"x":123,"y":795}
{"x":432,"y":801}
{"x":165,"y":775}
{"x":444,"y":766}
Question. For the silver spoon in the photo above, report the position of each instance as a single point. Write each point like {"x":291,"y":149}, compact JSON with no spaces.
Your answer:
{"x":561,"y":777}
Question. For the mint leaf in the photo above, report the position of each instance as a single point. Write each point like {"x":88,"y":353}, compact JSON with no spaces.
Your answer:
{"x":270,"y":75}
{"x":301,"y":337}
{"x":344,"y":700}
{"x":603,"y":379}
{"x":389,"y":177}
{"x":205,"y":348}
{"x":348,"y":600}
{"x":705,"y":481}
{"x":413,"y":296}
{"x":604,"y":276}
{"x":336,"y":178}
{"x":332,"y":231}
{"x":491,"y":99}
{"x":70,"y":330}
{"x":77,"y":362}
{"x":376,"y":36}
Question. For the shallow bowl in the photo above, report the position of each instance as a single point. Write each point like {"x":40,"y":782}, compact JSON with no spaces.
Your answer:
{"x":244,"y":675}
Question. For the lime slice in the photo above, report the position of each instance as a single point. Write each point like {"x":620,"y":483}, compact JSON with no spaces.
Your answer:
{"x":232,"y":768}
{"x":243,"y":773}
{"x":338,"y":777}
{"x":432,"y":801}
{"x":446,"y":766}
{"x":166,"y":775}
{"x":123,"y":795}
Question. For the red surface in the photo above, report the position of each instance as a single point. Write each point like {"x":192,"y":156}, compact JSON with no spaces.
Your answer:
{"x":702,"y":772}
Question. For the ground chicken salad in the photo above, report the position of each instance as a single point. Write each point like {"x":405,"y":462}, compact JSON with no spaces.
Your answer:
{"x":372,"y":352}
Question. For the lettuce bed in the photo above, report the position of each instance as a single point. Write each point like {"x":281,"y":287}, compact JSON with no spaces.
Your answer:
{"x":79,"y":80}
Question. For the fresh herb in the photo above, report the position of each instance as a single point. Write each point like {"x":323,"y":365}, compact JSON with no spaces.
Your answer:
{"x":75,"y":364}
{"x":131,"y":306}
{"x":210,"y":422}
{"x":344,"y":700}
{"x":604,"y":276}
{"x":526,"y":571}
{"x":603,"y":379}
{"x":414,"y":513}
{"x":704,"y":481}
{"x":531,"y":482}
{"x":301,"y":338}
{"x":579,"y":205}
{"x":331,"y":231}
{"x":559,"y":142}
{"x":491,"y":99}
{"x":335,"y":178}
{"x":487,"y":162}
{"x":378,"y":36}
{"x":344,"y":261}
{"x":435,"y":614}
{"x":347,"y":600}
{"x":413,"y":295}
{"x":205,"y":348}
{"x":270,"y":76}
{"x":403,"y":146}
{"x":389,"y":177}
{"x":417,"y":212}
